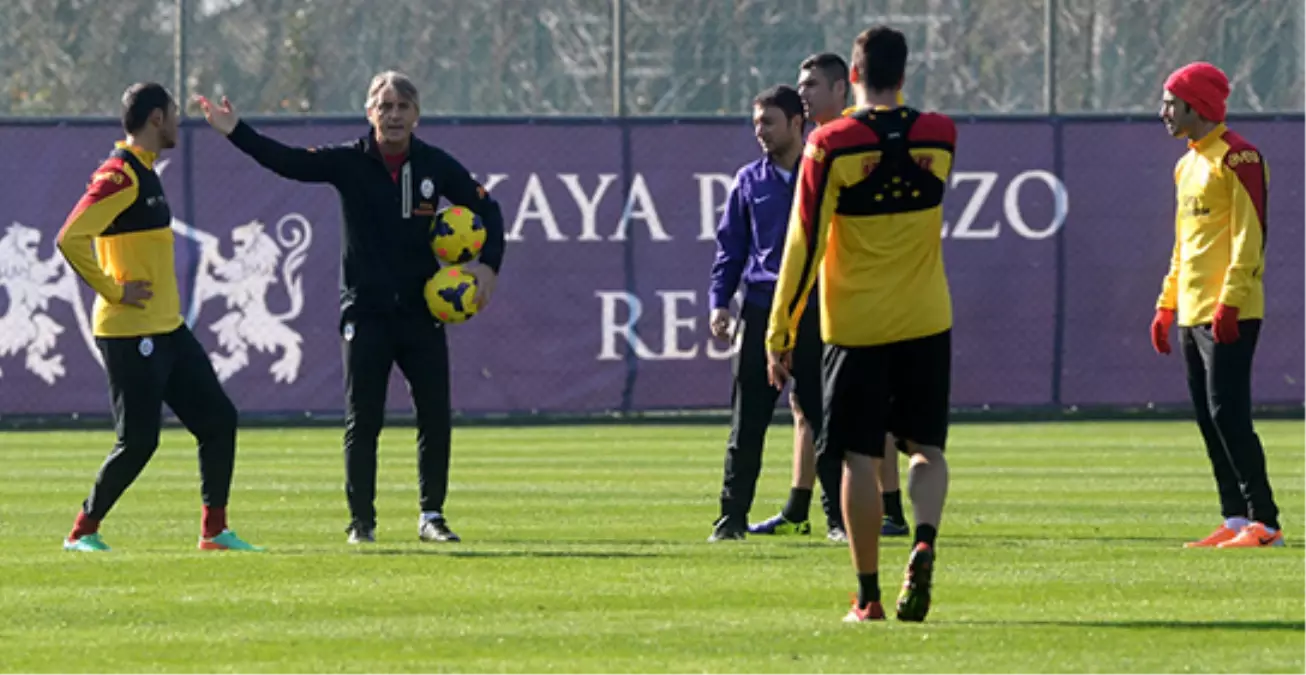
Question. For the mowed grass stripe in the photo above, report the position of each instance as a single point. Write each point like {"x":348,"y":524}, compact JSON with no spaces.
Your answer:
{"x":1059,"y":552}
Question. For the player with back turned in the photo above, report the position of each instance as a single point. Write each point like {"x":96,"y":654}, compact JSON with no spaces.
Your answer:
{"x":119,"y":240}
{"x":868,"y":219}
{"x":1216,"y":289}
{"x":823,"y":86}
{"x":389,"y":183}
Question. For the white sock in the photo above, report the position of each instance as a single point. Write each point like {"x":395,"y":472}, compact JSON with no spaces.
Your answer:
{"x":1236,"y":524}
{"x":431,"y":515}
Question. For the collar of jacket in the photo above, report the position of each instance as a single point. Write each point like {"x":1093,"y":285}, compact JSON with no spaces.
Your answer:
{"x":373,"y":150}
{"x":147,"y":158}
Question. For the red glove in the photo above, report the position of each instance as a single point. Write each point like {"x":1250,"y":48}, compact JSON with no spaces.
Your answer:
{"x":1225,"y":325}
{"x":1161,"y":330}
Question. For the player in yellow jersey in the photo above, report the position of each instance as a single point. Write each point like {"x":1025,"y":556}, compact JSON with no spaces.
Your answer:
{"x":818,"y":86}
{"x":1214,"y":289}
{"x":868,"y":219}
{"x":118,"y":238}
{"x":823,"y":86}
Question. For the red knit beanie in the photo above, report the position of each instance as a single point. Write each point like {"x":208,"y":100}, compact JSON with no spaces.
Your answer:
{"x":1203,"y":87}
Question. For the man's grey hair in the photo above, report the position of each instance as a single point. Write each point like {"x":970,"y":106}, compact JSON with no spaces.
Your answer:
{"x":392,"y":78}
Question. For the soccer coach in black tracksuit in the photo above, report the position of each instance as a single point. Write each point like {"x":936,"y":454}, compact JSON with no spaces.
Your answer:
{"x":390,"y":184}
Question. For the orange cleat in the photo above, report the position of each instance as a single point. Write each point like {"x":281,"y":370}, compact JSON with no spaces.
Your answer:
{"x":1219,"y":536}
{"x":1255,"y":535}
{"x":871,"y":612}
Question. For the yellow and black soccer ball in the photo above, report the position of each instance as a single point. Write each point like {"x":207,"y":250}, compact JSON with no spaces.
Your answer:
{"x":451,"y":295}
{"x":457,"y":235}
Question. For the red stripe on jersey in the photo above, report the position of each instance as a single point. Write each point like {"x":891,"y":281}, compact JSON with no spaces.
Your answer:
{"x":107,"y":180}
{"x":1246,"y":162}
{"x":847,"y":132}
{"x":842,"y":133}
{"x":933,"y":128}
{"x":814,"y":170}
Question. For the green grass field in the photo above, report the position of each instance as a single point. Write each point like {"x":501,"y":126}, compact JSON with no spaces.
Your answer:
{"x":585,"y":551}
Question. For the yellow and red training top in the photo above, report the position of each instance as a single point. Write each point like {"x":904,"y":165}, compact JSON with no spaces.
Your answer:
{"x":120,"y":231}
{"x":869,"y":217}
{"x":1222,"y":185}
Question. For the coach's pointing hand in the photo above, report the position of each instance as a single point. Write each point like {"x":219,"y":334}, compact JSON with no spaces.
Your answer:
{"x":221,"y":117}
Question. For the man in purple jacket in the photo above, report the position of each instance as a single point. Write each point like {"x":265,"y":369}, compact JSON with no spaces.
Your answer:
{"x":750,"y":243}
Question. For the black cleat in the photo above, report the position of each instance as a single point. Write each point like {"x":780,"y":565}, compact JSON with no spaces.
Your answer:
{"x":894,"y":527}
{"x":361,"y":534}
{"x":728,"y":529}
{"x":436,"y":529}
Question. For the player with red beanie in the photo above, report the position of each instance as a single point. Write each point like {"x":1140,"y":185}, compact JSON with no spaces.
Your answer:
{"x":1214,"y":289}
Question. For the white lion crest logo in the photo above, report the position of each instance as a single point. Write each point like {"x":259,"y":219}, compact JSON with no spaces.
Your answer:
{"x":31,"y":284}
{"x":244,"y":280}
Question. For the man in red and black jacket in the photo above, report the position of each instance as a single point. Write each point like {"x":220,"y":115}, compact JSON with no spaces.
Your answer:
{"x":390,"y":183}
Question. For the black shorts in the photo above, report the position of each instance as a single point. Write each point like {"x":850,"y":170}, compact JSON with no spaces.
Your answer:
{"x":901,"y":387}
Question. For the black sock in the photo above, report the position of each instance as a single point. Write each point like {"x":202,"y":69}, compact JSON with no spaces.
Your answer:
{"x":800,"y":502}
{"x":926,"y":534}
{"x":893,"y":506}
{"x":868,"y":589}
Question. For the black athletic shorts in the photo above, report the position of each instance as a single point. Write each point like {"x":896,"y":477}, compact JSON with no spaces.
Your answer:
{"x":900,"y":387}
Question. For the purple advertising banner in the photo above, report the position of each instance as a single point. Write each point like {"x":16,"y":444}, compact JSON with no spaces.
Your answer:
{"x":1057,"y":236}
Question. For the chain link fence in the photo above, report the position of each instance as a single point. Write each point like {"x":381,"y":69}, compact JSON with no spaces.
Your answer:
{"x":676,"y":57}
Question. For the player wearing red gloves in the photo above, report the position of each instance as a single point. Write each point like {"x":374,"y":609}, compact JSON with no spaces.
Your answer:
{"x":1214,"y":292}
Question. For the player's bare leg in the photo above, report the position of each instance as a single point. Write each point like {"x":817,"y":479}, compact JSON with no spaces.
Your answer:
{"x":895,"y":525}
{"x":927,"y":486}
{"x":862,"y":513}
{"x":804,"y":453}
{"x":794,"y":517}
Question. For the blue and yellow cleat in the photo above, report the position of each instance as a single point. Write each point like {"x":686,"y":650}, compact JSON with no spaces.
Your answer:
{"x":88,"y":543}
{"x":227,"y":541}
{"x":778,"y":525}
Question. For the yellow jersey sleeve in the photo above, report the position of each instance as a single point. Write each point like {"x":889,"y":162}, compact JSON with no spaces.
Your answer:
{"x":113,"y":188}
{"x":1169,"y":298}
{"x":1170,"y":284}
{"x":809,"y":224}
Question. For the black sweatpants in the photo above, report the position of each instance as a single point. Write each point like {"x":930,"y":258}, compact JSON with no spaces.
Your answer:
{"x":144,"y":373}
{"x":373,"y":343}
{"x":1220,"y":384}
{"x":753,"y":401}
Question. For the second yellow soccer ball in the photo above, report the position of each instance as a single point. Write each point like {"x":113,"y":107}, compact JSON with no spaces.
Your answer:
{"x":457,"y":235}
{"x":451,"y":295}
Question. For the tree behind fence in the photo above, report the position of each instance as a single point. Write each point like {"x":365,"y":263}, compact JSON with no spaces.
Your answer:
{"x":518,"y":57}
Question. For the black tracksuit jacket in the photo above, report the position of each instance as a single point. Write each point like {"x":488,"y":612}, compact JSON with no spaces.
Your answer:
{"x":386,"y":256}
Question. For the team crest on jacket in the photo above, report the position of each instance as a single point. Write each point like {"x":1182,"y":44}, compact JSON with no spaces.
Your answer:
{"x":427,"y":187}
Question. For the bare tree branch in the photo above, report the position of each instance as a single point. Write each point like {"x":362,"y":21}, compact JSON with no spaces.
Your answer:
{"x":682,"y":56}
